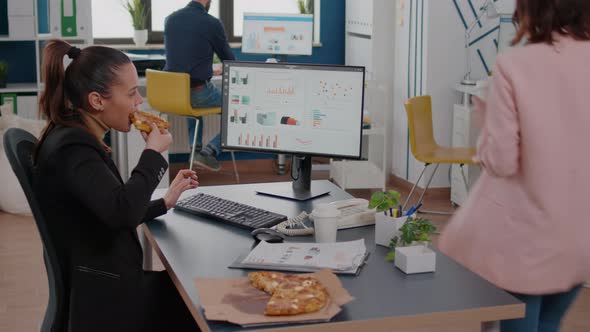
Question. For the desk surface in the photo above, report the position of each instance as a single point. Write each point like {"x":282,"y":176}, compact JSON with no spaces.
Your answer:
{"x":385,"y":297}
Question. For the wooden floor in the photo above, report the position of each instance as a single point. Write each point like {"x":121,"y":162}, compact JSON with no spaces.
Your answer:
{"x":23,"y":283}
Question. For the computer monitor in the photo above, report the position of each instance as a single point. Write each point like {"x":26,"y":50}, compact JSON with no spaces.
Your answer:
{"x":299,"y":109}
{"x":277,"y":34}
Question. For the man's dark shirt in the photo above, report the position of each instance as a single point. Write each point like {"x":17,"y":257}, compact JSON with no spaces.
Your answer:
{"x":191,"y":36}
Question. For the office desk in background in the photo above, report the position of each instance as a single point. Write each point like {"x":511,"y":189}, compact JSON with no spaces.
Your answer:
{"x":216,"y":80}
{"x":385,"y":298}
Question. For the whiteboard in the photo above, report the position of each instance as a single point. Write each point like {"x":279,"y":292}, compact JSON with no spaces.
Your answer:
{"x":284,"y":34}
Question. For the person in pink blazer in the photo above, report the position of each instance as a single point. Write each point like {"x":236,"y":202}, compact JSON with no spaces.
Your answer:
{"x":525,"y":225}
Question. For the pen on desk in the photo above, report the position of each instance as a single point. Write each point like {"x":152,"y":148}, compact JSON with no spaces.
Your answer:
{"x":413,"y":209}
{"x":418,"y":207}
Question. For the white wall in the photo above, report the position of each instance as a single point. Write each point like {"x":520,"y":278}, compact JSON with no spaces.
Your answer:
{"x":430,"y":59}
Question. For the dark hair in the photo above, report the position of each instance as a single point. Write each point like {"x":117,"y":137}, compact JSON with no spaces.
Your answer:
{"x":538,"y":20}
{"x":93,"y":69}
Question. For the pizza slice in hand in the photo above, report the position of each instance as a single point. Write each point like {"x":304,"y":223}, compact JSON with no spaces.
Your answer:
{"x":142,"y":121}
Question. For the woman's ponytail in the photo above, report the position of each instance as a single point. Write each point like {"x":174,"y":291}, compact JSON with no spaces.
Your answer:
{"x":52,"y":101}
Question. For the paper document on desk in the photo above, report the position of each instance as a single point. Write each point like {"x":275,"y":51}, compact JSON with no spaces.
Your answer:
{"x":338,"y":256}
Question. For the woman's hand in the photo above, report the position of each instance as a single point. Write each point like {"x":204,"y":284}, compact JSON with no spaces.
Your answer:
{"x":158,"y":139}
{"x":184,"y":180}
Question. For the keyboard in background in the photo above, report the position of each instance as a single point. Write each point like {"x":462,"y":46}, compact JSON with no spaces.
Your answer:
{"x":230,"y":212}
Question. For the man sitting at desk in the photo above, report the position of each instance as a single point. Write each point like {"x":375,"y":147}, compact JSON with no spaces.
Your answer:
{"x":191,"y":36}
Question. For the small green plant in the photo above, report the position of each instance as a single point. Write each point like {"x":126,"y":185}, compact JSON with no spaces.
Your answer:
{"x":413,"y":230}
{"x":385,"y":201}
{"x":138,"y":13}
{"x":3,"y":73}
{"x":3,"y":69}
{"x":305,"y":6}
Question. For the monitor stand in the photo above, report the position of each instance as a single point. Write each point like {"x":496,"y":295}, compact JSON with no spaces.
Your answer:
{"x":300,"y":189}
{"x":276,"y":58}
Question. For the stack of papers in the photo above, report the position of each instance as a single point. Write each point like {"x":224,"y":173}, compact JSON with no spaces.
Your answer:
{"x":340,"y":257}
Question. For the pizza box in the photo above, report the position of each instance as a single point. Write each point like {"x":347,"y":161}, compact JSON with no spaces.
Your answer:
{"x":236,"y":301}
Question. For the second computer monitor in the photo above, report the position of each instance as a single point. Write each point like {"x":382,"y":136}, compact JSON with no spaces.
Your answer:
{"x":277,"y":34}
{"x":299,"y":109}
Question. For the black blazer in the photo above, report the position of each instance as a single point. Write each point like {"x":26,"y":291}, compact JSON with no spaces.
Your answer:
{"x":92,"y":217}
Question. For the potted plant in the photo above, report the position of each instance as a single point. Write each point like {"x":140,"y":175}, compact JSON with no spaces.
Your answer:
{"x":305,"y":6}
{"x":413,"y":231}
{"x":388,"y":216}
{"x":385,"y":202}
{"x":138,"y":13}
{"x":3,"y":73}
{"x":409,"y":248}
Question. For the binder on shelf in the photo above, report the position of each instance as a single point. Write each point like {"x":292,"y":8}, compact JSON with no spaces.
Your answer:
{"x":9,"y":99}
{"x":54,"y":8}
{"x":27,"y":106}
{"x":20,"y":8}
{"x":68,"y":18}
{"x":20,"y":19}
{"x":84,"y":18}
{"x":21,"y":27}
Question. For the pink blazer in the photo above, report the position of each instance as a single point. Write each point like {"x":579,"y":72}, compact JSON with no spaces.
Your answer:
{"x":526,"y":224}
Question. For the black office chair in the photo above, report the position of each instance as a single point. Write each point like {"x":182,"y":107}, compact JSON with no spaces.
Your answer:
{"x":19,"y":146}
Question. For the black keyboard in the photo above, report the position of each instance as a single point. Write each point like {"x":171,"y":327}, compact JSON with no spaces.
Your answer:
{"x":230,"y":212}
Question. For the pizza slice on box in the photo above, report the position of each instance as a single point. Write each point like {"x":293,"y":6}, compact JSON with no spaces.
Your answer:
{"x":291,"y":294}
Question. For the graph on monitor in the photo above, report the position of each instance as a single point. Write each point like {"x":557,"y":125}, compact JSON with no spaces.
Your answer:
{"x":280,"y":34}
{"x":309,"y":109}
{"x":299,"y":109}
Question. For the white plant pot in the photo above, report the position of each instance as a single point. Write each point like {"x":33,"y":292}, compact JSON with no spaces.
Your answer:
{"x":415,"y":259}
{"x":386,"y":228}
{"x":140,"y":37}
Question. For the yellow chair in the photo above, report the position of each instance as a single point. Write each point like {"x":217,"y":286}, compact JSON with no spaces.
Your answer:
{"x":169,"y":92}
{"x":424,"y":147}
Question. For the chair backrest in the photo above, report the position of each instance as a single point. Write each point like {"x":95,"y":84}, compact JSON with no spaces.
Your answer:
{"x":419,"y":110}
{"x":19,"y":146}
{"x":169,"y":92}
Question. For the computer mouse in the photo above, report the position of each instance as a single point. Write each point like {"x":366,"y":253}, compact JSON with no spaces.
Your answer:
{"x":267,"y":234}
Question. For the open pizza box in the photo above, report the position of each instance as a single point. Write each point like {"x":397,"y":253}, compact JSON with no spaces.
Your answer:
{"x":236,"y":301}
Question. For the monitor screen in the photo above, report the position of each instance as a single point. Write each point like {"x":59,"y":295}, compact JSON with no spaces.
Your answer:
{"x":280,"y":34}
{"x":293,"y":108}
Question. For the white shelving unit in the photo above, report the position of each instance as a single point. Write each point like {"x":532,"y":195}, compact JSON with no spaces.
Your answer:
{"x":20,"y":87}
{"x":21,"y":13}
{"x":9,"y":39}
{"x":465,"y":134}
{"x":370,"y":43}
